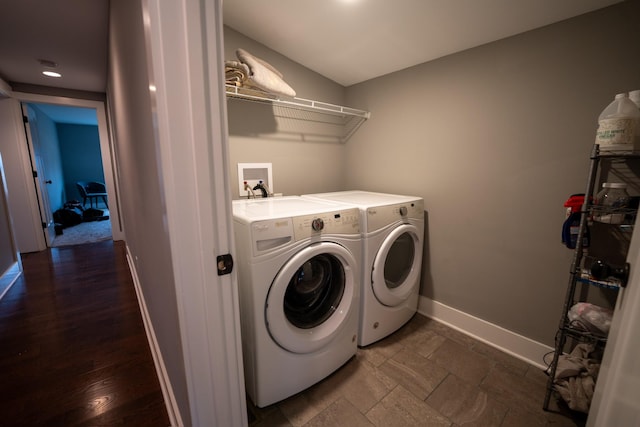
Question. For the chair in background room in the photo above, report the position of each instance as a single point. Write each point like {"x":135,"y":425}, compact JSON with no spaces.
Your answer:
{"x":92,"y":190}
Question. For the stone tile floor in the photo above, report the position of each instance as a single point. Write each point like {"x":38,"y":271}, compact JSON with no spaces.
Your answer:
{"x":426,"y":374}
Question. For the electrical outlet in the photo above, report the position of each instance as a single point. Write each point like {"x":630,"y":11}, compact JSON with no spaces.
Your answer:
{"x":252,"y":174}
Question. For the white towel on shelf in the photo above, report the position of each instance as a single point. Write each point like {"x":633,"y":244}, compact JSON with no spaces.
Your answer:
{"x":243,"y":55}
{"x":236,"y":73}
{"x":264,"y":76}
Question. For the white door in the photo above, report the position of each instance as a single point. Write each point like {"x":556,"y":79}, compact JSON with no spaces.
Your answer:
{"x":311,"y":297}
{"x":615,"y":401}
{"x":39,"y":174}
{"x":45,"y":208}
{"x":396,"y":267}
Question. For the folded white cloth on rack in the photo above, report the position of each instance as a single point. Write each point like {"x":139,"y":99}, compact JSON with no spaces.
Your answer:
{"x":263,"y":75}
{"x":235,"y":72}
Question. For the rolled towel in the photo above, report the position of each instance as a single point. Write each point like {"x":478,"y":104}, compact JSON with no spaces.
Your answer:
{"x":264,"y":76}
{"x":235,"y":72}
{"x":243,"y":55}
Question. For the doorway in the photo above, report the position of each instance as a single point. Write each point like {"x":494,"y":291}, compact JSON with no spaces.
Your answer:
{"x":64,"y":145}
{"x":68,"y":142}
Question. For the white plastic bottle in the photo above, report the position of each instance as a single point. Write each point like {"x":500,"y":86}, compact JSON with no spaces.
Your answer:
{"x":617,"y":123}
{"x":634,"y":96}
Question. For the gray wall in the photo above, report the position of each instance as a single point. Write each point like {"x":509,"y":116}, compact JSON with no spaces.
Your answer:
{"x":81,"y":158}
{"x":495,"y":139}
{"x":299,"y":165}
{"x":13,"y":147}
{"x":141,"y":199}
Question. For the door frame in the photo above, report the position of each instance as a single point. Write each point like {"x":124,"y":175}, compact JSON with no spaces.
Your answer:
{"x":186,"y":63}
{"x":618,"y":382}
{"x":109,"y":165}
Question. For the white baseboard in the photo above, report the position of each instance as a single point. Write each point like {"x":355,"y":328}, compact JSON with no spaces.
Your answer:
{"x":496,"y":336}
{"x":8,"y":278}
{"x":165,"y":384}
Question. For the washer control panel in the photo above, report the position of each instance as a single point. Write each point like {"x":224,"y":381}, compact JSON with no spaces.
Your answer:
{"x":338,"y":222}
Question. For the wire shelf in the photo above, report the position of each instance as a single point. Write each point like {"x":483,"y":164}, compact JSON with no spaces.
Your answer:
{"x":328,"y":121}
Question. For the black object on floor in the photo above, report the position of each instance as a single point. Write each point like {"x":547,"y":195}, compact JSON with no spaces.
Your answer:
{"x":92,"y":214}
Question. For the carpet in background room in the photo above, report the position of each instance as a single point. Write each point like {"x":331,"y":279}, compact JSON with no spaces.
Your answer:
{"x":85,"y":232}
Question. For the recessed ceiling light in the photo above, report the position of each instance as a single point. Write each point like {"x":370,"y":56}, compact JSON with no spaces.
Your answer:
{"x":48,"y":65}
{"x":51,"y":74}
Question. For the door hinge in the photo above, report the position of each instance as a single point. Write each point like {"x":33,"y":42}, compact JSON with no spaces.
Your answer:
{"x":44,"y":225}
{"x":35,"y":174}
{"x":225,"y":264}
{"x":25,"y":119}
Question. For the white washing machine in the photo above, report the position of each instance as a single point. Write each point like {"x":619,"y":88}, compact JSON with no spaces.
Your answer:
{"x":392,"y":236}
{"x":298,"y":266}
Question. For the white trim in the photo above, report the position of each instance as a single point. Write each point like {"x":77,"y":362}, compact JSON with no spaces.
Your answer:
{"x":496,"y":336}
{"x":165,"y":384}
{"x":9,"y":277}
{"x":5,"y":89}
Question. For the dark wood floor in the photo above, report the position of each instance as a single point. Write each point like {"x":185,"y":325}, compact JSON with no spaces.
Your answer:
{"x":73,"y":350}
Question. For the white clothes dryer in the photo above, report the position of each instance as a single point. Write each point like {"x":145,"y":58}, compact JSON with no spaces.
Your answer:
{"x":298,"y":264}
{"x":392,"y":235}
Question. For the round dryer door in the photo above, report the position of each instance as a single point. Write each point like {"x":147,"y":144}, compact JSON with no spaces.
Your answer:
{"x":396,"y":267}
{"x":311,"y":297}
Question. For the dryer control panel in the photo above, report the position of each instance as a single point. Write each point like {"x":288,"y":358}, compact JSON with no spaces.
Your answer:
{"x":338,"y":222}
{"x":381,"y":216}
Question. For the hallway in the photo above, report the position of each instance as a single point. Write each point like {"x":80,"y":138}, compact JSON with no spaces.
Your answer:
{"x":73,"y":346}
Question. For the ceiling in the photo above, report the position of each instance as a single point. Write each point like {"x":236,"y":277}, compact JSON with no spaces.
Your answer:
{"x":71,"y":33}
{"x":67,"y":114}
{"x":350,"y":41}
{"x":347,"y":41}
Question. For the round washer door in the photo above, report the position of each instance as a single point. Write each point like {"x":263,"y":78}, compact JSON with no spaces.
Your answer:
{"x":396,"y":267}
{"x":311,"y":297}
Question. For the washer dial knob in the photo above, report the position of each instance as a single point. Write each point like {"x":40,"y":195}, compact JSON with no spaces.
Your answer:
{"x":317,"y":224}
{"x":403,"y":210}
